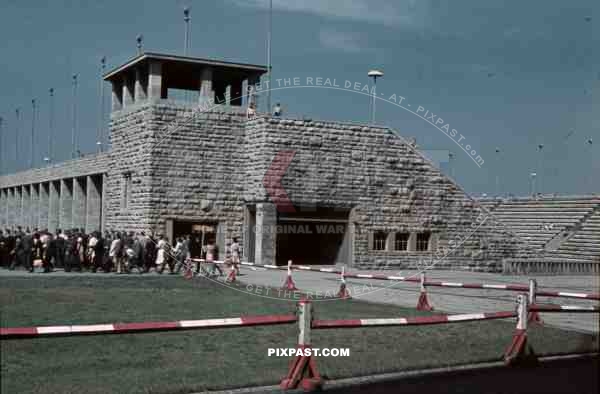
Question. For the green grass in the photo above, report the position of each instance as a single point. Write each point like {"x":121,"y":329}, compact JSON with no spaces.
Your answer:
{"x":181,"y":362}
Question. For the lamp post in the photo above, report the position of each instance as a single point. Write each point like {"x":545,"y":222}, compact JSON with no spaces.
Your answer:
{"x":269,"y":66}
{"x":74,"y":117}
{"x":139,"y":39}
{"x":186,"y":19}
{"x":497,"y":172}
{"x":374,"y":74}
{"x":532,"y":177}
{"x":33,"y":111}
{"x":540,"y":147}
{"x":17,"y":132}
{"x":48,"y":158}
{"x":100,"y":137}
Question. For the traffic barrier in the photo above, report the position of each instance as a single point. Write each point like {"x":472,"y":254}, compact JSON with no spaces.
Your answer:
{"x":289,"y":282}
{"x":303,"y":370}
{"x":343,"y":292}
{"x":489,"y":286}
{"x":423,"y":302}
{"x":519,"y":351}
{"x":564,"y":308}
{"x":121,"y":328}
{"x":411,"y":321}
{"x":232,"y":275}
{"x":534,"y":316}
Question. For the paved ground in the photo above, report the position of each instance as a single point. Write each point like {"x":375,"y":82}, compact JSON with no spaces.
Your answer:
{"x":451,"y":300}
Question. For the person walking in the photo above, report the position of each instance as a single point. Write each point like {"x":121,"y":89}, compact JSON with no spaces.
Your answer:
{"x":234,"y":250}
{"x":115,"y":252}
{"x":211,"y":257}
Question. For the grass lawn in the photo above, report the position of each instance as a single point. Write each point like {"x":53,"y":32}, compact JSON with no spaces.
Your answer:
{"x":182,"y":362}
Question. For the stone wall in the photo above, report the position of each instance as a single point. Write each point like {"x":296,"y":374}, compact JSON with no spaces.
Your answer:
{"x":170,"y":163}
{"x":388,"y":185}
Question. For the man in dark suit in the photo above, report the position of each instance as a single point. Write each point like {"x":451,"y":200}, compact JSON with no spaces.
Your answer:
{"x":27,"y":243}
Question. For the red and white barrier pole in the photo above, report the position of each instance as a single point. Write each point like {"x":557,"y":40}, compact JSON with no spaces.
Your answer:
{"x":519,"y":350}
{"x":534,"y":316}
{"x":233,"y":271}
{"x":121,"y":328}
{"x":564,"y":308}
{"x":343,"y":293}
{"x":289,"y":282}
{"x":303,"y":369}
{"x":189,"y":273}
{"x":423,"y":302}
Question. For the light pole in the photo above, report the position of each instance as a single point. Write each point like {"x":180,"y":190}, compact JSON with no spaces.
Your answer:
{"x":74,"y":119}
{"x":31,"y":159}
{"x":497,"y":172}
{"x":269,"y":66}
{"x":451,"y":164}
{"x":139,"y":40}
{"x":48,"y":158}
{"x":532,"y":177}
{"x":540,"y":147}
{"x":186,"y":19}
{"x":17,"y":131}
{"x":99,"y":137}
{"x":374,"y":74}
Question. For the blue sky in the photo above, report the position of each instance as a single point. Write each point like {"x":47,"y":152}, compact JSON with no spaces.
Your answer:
{"x":509,"y":75}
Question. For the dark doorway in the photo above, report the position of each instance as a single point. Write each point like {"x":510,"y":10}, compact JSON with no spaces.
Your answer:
{"x":313,"y":237}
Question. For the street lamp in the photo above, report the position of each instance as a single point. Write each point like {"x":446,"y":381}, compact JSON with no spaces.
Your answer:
{"x":532,"y":183}
{"x":540,"y":147}
{"x":374,"y":74}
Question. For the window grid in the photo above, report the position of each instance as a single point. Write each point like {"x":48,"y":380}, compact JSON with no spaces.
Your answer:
{"x":379,"y":239}
{"x":423,"y":241}
{"x":401,"y":241}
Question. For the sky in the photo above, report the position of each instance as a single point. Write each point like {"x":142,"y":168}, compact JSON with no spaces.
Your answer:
{"x":508,"y":76}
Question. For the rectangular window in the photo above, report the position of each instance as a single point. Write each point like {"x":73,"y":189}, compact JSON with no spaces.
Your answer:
{"x":401,"y":241}
{"x":379,"y":239}
{"x":423,"y":241}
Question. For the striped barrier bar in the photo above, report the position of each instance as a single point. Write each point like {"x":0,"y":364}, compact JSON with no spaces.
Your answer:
{"x":589,"y":296}
{"x":411,"y":321}
{"x":121,"y":328}
{"x":564,"y":308}
{"x":523,"y":288}
{"x":489,"y":286}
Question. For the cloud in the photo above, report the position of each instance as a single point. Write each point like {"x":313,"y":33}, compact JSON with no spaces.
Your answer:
{"x":342,"y":41}
{"x":399,"y":13}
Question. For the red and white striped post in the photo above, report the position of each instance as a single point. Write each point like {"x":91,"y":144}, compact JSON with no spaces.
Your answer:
{"x":232,"y":275}
{"x":188,"y":273}
{"x":519,"y":350}
{"x":423,"y":302}
{"x":303,"y":369}
{"x":289,"y":282}
{"x":343,"y":293}
{"x":534,"y":316}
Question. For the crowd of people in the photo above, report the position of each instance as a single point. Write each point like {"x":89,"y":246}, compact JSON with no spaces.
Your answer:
{"x":113,"y":251}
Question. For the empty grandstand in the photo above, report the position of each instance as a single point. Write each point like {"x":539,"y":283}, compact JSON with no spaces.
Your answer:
{"x":565,"y":232}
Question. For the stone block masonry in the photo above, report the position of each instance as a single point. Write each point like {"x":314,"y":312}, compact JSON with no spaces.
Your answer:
{"x":169,"y":164}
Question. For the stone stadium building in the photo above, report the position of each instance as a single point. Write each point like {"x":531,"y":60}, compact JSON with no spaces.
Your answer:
{"x":316,"y":192}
